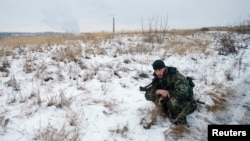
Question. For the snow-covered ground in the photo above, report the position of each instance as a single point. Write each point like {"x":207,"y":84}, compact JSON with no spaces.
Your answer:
{"x":47,"y":95}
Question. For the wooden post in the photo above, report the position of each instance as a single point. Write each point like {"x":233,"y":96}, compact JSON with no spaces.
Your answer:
{"x":113,"y":27}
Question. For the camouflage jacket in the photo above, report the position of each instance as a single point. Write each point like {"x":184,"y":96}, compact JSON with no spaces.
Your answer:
{"x":174,"y":82}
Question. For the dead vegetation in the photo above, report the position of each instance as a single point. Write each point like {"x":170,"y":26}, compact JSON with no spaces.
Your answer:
{"x":219,"y":96}
{"x":69,"y":50}
{"x":120,"y":131}
{"x":49,"y":40}
{"x":176,"y":132}
{"x":55,"y":133}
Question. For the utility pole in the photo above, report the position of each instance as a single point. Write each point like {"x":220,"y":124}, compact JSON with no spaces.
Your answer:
{"x":113,"y":27}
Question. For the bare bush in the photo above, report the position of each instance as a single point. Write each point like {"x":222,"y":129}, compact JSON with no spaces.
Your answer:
{"x":243,"y":27}
{"x":13,"y":83}
{"x":120,"y":130}
{"x":53,"y":133}
{"x":228,"y":44}
{"x":28,"y":68}
{"x":156,"y":30}
{"x":228,"y":75}
{"x":4,"y":68}
{"x":59,"y":101}
{"x":69,"y":53}
{"x":3,"y":123}
{"x":5,"y":63}
{"x":219,"y":96}
{"x":36,"y":97}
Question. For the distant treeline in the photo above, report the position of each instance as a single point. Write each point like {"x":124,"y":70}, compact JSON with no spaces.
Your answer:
{"x":15,"y":34}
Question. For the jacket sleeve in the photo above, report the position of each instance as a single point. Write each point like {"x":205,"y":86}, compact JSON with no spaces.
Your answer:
{"x":181,"y":87}
{"x":151,"y":95}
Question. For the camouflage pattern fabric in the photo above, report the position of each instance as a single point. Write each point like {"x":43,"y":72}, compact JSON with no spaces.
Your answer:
{"x":181,"y":102}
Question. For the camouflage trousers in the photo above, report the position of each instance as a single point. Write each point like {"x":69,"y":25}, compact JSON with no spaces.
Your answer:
{"x":176,"y":110}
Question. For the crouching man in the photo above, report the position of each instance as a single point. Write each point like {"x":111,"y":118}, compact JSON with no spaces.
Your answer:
{"x":171,"y":92}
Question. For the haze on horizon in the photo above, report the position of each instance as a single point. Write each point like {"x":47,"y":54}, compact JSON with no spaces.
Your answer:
{"x":97,"y":15}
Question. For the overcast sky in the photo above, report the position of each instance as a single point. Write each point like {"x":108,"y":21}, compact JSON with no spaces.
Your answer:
{"x":97,"y":15}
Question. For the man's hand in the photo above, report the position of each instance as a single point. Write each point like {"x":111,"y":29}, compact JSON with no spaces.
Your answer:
{"x":162,"y":93}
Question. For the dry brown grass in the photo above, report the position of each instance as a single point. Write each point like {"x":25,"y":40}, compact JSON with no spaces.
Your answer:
{"x":69,"y":53}
{"x":186,"y":45}
{"x":39,"y":40}
{"x":183,"y":31}
{"x":176,"y":132}
{"x":219,"y":95}
{"x":151,"y":116}
{"x":220,"y":103}
{"x":189,"y":31}
{"x":14,"y":42}
{"x":169,"y":41}
{"x":59,"y":101}
{"x":53,"y":133}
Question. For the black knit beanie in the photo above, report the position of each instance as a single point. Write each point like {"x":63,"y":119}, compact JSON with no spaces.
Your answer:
{"x":158,"y":64}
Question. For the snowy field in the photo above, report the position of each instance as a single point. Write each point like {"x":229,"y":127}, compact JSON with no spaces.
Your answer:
{"x":89,"y":91}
